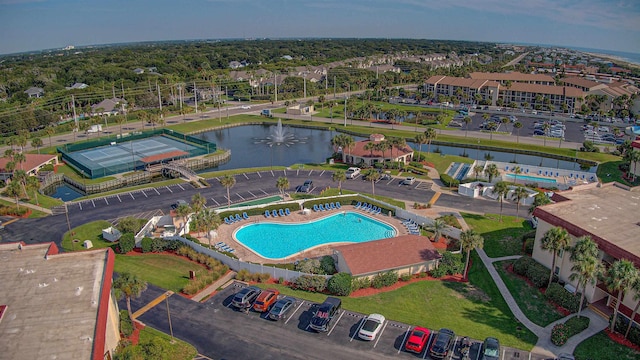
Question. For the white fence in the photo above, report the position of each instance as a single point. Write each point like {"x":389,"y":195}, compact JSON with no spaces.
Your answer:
{"x":237,"y":265}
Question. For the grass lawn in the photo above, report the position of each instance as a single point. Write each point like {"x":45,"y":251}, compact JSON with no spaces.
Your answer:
{"x":609,"y":172}
{"x":44,"y":200}
{"x":34,"y":213}
{"x":89,"y":231}
{"x":73,"y":174}
{"x":500,"y":238}
{"x":442,"y":162}
{"x":166,"y":271}
{"x":530,"y":300}
{"x":475,"y":310}
{"x":601,"y":347}
{"x":176,"y":350}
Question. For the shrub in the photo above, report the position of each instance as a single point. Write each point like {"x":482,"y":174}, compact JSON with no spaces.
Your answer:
{"x":576,"y":325}
{"x":264,"y":277}
{"x":328,"y":265}
{"x":10,"y":210}
{"x":243,"y":275}
{"x":520,"y":266}
{"x":310,"y":266}
{"x":405,"y":277}
{"x":438,"y":272}
{"x":538,"y":274}
{"x":126,"y":243}
{"x":559,"y":334}
{"x":126,"y":326}
{"x":451,"y":263}
{"x":340,"y":284}
{"x":145,"y":244}
{"x":360,"y":283}
{"x":280,"y":280}
{"x":129,"y":224}
{"x":528,"y":245}
{"x":310,"y":283}
{"x":449,"y":181}
{"x":559,"y":295}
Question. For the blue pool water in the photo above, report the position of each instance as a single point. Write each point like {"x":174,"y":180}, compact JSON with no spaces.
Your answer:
{"x":531,"y":178}
{"x":280,"y":240}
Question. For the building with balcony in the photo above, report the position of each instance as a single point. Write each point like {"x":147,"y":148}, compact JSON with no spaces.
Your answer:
{"x":611,"y":217}
{"x":514,"y":77}
{"x":369,"y":152}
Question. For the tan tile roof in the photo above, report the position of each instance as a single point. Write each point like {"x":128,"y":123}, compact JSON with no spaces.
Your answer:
{"x":462,"y":82}
{"x":31,"y":161}
{"x":387,"y":254}
{"x":513,"y":76}
{"x":546,"y":89}
{"x":359,"y":150}
{"x":579,"y":81}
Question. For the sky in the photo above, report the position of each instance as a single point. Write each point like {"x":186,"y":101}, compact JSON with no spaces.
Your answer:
{"x":28,"y":25}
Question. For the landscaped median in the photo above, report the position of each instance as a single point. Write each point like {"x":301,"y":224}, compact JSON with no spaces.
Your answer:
{"x":501,"y":238}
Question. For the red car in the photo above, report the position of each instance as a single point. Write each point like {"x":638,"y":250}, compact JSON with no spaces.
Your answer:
{"x":417,"y":340}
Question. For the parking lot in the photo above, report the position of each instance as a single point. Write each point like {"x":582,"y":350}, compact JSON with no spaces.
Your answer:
{"x":343,"y":330}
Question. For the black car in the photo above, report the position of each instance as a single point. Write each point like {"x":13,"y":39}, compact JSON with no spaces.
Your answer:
{"x":325,"y":313}
{"x":442,"y":344}
{"x":178,"y":203}
{"x":244,"y":298}
{"x":490,"y":349}
{"x":306,"y":187}
{"x":280,"y":309}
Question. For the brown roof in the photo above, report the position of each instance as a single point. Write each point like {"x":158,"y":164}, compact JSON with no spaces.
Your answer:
{"x":359,"y":150}
{"x":31,"y":161}
{"x":167,"y":155}
{"x":461,"y":82}
{"x":581,"y":82}
{"x":513,"y":76}
{"x":387,"y":254}
{"x":546,"y":89}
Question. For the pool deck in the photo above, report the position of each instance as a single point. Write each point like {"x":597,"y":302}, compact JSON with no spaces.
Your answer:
{"x":225,"y":234}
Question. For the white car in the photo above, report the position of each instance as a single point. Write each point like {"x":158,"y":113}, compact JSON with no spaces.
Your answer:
{"x":408,"y":181}
{"x":246,"y":107}
{"x":371,"y":327}
{"x":352,"y":172}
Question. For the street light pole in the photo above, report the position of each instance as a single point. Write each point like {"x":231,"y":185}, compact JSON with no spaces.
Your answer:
{"x":169,"y":317}
{"x":345,"y":110}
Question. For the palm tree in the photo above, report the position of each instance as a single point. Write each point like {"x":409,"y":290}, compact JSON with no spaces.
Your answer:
{"x":518,"y":194}
{"x":183,"y":211}
{"x":545,"y":127}
{"x":477,"y":170}
{"x":339,"y":176}
{"x":198,"y":202}
{"x":33,"y":184}
{"x":50,"y":131}
{"x":555,"y":239}
{"x":420,"y":139}
{"x":437,"y":227}
{"x":210,"y":220}
{"x":491,"y":171}
{"x":282,"y":184}
{"x":372,"y":175}
{"x":539,"y":200}
{"x":635,"y":288}
{"x":491,"y":127}
{"x":36,"y":143}
{"x":516,"y":171}
{"x":370,"y":146}
{"x":467,"y":121}
{"x":501,"y":189}
{"x":634,"y":157}
{"x":620,"y":277}
{"x":470,"y":240}
{"x":14,"y":190}
{"x":399,"y":143}
{"x":128,"y":285}
{"x":586,"y":266}
{"x":120,"y":120}
{"x":228,"y":181}
{"x":430,"y":134}
{"x":517,"y":126}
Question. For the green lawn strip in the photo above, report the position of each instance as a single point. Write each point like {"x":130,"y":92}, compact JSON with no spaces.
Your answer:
{"x":576,"y":325}
{"x":133,"y":188}
{"x":442,"y":162}
{"x":166,"y":271}
{"x":34,"y":213}
{"x":165,"y":348}
{"x":89,"y":231}
{"x":530,"y":300}
{"x":601,"y":347}
{"x":500,"y":238}
{"x":44,"y":200}
{"x":609,"y":171}
{"x":460,"y":307}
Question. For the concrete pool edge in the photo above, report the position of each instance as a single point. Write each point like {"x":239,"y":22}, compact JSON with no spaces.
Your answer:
{"x":271,"y":221}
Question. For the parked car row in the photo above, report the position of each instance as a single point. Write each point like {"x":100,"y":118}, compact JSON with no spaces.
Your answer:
{"x":438,"y":345}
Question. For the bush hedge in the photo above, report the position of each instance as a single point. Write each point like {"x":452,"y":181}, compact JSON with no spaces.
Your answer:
{"x":245,"y":275}
{"x":360,"y":283}
{"x":146,"y":244}
{"x":340,"y":284}
{"x":10,"y":210}
{"x":559,"y":295}
{"x":449,"y":181}
{"x":328,"y":265}
{"x":532,"y":270}
{"x":559,"y":334}
{"x":621,"y":327}
{"x":312,"y":283}
{"x":384,"y":279}
{"x":126,"y":326}
{"x":126,"y":243}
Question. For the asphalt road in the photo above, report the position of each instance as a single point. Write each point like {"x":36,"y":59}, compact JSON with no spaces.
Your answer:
{"x":249,"y":186}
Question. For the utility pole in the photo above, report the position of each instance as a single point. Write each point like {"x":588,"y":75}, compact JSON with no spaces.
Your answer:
{"x":275,"y":83}
{"x":159,"y":100}
{"x":195,"y":95}
{"x":73,"y":105}
{"x":304,"y":76}
{"x":345,"y":110}
{"x":334,"y":86}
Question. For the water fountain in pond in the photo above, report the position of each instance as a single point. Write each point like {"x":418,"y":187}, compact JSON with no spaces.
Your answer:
{"x":280,"y":135}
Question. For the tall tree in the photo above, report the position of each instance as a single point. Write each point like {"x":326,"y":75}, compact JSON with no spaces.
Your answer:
{"x":372,"y":175}
{"x":420,"y":139}
{"x":554,"y":240}
{"x":477,"y":170}
{"x":517,"y":126}
{"x":518,"y":194}
{"x":437,"y":227}
{"x":36,"y":143}
{"x":129,"y":286}
{"x":470,"y":240}
{"x":430,"y":134}
{"x":198,"y":202}
{"x":635,"y":288}
{"x":539,"y":200}
{"x":619,"y":278}
{"x":282,"y":184}
{"x":491,"y":171}
{"x":183,"y":211}
{"x":339,"y":176}
{"x":501,"y":189}
{"x":467,"y":120}
{"x":586,"y":265}
{"x":228,"y":181}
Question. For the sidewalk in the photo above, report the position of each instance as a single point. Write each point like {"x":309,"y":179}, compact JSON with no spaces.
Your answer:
{"x":213,"y":287}
{"x":31,"y":206}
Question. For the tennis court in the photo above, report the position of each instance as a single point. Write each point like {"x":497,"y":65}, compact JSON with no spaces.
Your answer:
{"x":117,"y":157}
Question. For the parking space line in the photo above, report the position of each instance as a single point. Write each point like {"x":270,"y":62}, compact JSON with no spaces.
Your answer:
{"x":336,"y":323}
{"x":214,"y":200}
{"x":180,"y":186}
{"x":93,"y":203}
{"x":105,"y":200}
{"x":294,"y":312}
{"x":245,"y":176}
{"x":143,"y":193}
{"x":259,"y":175}
{"x":272,"y":174}
{"x":156,"y":190}
{"x":252,"y":194}
{"x":310,"y":172}
{"x":321,"y":173}
{"x":454,"y":348}
{"x":130,"y":194}
{"x":240,"y":196}
{"x":404,"y":339}
{"x":266,"y":193}
{"x":360,"y":324}
{"x":118,"y":196}
{"x":80,"y":205}
{"x":171,"y":191}
{"x":426,"y":348}
{"x":380,"y":335}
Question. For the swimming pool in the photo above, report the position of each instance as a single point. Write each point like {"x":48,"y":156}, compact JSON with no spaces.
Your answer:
{"x":530,"y":178}
{"x":282,"y":240}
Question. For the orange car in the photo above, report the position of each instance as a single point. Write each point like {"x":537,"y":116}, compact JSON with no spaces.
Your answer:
{"x":265,"y":300}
